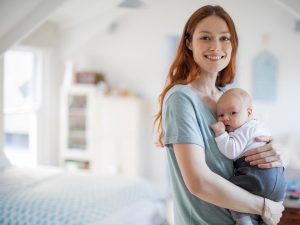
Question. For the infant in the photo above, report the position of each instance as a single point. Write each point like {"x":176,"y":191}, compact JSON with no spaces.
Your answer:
{"x":235,"y":133}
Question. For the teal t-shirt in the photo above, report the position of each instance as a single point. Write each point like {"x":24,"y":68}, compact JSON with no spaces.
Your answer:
{"x":187,"y":120}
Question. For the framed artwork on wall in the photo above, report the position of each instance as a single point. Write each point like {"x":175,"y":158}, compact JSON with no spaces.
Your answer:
{"x":265,"y":77}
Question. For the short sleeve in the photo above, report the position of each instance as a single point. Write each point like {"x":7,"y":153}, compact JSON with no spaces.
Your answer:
{"x":180,"y":122}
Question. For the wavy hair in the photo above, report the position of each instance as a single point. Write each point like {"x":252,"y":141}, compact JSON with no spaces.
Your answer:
{"x":184,"y":69}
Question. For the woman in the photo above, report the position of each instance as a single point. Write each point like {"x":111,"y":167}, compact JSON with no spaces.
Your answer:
{"x":205,"y":62}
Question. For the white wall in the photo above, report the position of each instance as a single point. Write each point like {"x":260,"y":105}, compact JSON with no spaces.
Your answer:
{"x":134,"y":55}
{"x":1,"y":103}
{"x":17,"y":20}
{"x":284,"y":43}
{"x":46,"y":40}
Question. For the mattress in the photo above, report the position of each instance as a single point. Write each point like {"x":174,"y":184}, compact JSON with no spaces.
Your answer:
{"x":49,"y":196}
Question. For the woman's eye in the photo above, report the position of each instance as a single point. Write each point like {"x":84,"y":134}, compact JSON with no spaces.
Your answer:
{"x":205,"y":38}
{"x":224,"y":38}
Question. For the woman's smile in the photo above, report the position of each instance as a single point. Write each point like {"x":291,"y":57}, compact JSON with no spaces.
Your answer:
{"x":214,"y":57}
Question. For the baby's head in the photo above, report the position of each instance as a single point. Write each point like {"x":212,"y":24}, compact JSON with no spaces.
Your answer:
{"x":234,"y":108}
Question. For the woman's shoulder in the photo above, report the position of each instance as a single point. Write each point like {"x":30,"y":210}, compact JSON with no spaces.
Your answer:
{"x":183,"y":90}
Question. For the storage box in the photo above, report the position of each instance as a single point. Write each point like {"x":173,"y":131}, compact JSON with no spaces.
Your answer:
{"x":88,"y":77}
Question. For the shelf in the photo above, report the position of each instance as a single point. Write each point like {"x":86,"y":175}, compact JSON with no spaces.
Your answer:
{"x":93,"y":128}
{"x":76,"y":112}
{"x":78,"y":148}
{"x":77,"y":133}
{"x":76,"y":154}
{"x":71,"y":164}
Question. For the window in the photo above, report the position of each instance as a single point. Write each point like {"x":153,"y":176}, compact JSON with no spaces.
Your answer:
{"x":21,"y":102}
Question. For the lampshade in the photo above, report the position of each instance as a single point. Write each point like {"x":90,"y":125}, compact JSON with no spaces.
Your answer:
{"x":131,"y":4}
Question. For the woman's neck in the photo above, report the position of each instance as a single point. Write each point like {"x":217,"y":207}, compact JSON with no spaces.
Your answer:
{"x":206,"y":85}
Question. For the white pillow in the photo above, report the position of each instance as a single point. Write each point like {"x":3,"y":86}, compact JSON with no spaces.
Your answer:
{"x":4,"y":162}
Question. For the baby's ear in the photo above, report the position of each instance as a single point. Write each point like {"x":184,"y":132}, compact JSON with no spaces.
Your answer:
{"x":250,"y":111}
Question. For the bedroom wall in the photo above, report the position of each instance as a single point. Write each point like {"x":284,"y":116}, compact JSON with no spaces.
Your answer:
{"x":46,"y":40}
{"x":1,"y":104}
{"x":278,"y":26}
{"x":134,"y":52}
{"x":17,"y":20}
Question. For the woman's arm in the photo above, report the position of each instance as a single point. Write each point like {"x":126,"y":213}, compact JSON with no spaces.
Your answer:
{"x":266,"y":156}
{"x":210,"y":187}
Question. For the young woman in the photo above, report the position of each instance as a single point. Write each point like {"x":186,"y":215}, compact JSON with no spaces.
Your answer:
{"x":205,"y":62}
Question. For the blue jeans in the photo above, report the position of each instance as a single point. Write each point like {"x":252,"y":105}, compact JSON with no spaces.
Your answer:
{"x":268,"y":183}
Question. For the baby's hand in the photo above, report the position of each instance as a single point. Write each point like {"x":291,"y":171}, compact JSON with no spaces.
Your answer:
{"x":218,"y":128}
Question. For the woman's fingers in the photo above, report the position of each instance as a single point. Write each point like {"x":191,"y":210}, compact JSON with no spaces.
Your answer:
{"x":266,"y":139}
{"x":271,"y":161}
{"x":266,"y":157}
{"x":262,"y":157}
{"x":260,"y":152}
{"x":270,"y":165}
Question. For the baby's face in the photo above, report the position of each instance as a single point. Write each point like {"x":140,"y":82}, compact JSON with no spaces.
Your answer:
{"x":232,"y":112}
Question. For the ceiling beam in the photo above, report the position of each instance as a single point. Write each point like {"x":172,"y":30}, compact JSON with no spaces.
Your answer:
{"x":28,"y":23}
{"x":288,"y":8}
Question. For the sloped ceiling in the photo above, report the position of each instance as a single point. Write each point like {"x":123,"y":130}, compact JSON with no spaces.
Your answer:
{"x":72,"y":14}
{"x":291,"y":6}
{"x":77,"y":17}
{"x":77,"y":12}
{"x":19,"y":19}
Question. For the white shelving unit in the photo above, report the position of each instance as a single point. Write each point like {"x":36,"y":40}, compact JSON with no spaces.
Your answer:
{"x":100,"y":133}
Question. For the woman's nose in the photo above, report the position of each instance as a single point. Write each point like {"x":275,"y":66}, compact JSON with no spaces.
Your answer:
{"x":215,"y":45}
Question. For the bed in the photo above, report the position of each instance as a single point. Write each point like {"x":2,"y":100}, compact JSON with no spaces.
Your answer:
{"x":50,"y":196}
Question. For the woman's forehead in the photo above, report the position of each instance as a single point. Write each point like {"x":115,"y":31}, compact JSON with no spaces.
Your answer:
{"x":212,"y":24}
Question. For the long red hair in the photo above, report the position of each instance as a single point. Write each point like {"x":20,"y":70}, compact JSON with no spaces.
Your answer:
{"x":184,"y":69}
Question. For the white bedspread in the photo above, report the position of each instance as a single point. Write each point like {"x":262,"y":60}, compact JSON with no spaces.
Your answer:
{"x":52,"y":197}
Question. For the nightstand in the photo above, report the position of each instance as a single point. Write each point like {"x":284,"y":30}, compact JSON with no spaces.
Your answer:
{"x":291,"y":214}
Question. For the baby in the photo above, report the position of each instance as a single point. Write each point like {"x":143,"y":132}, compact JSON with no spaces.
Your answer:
{"x":235,"y":133}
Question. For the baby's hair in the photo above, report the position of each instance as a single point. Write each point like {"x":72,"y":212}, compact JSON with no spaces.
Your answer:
{"x":241,"y":94}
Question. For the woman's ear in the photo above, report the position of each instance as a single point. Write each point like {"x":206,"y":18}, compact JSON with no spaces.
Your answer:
{"x":188,"y":44}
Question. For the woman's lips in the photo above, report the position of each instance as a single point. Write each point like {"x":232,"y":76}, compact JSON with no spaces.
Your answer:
{"x":214,"y":57}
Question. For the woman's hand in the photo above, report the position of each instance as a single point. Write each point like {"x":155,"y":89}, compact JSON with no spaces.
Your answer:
{"x":272,"y":212}
{"x":265,"y":156}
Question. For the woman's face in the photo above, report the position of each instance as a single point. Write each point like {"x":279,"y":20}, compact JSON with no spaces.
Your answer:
{"x":211,"y":45}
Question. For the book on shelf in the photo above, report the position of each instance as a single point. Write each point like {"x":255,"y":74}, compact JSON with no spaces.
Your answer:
{"x":72,"y":164}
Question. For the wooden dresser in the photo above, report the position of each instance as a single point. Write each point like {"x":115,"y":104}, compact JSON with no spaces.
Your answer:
{"x":291,"y":214}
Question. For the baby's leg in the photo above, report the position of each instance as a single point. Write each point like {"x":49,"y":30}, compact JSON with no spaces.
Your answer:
{"x":241,"y":218}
